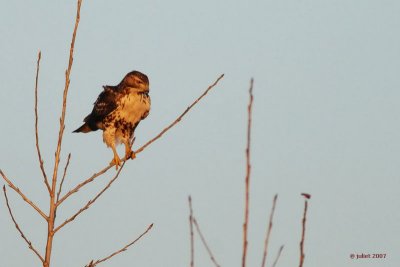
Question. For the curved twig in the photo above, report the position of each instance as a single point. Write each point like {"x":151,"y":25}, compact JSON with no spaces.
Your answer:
{"x":203,"y":240}
{"x":46,"y":181}
{"x":31,"y":247}
{"x":94,"y":263}
{"x":277,"y":256}
{"x":25,"y":198}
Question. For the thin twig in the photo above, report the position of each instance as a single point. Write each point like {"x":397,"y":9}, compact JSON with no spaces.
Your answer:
{"x":271,"y":217}
{"x":203,"y":240}
{"x":180,"y":117}
{"x":62,"y":180}
{"x":79,"y":186}
{"x":191,"y":232}
{"x":277,"y":256}
{"x":65,"y":94}
{"x":303,"y":232}
{"x":46,"y":181}
{"x":19,"y":229}
{"x":95,"y":175}
{"x":25,"y":198}
{"x":94,"y":263}
{"x":90,"y":202}
{"x":247,"y":180}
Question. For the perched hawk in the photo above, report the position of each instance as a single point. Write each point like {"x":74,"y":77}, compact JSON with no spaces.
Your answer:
{"x":118,"y":111}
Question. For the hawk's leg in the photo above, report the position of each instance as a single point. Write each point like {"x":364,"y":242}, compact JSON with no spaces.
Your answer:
{"x":116,"y":160}
{"x":128,"y":151}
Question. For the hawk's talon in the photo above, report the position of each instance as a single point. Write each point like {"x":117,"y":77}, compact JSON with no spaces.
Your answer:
{"x":129,"y":154}
{"x":117,"y":161}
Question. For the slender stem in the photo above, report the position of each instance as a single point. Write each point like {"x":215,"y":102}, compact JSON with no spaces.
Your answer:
{"x":303,"y":232}
{"x":271,"y":217}
{"x":79,"y":186}
{"x":247,"y":180}
{"x":94,"y":263}
{"x":62,"y":180}
{"x":277,"y":256}
{"x":25,"y":198}
{"x":31,"y":247}
{"x":191,"y":232}
{"x":53,"y":206}
{"x":203,"y":240}
{"x":46,"y":181}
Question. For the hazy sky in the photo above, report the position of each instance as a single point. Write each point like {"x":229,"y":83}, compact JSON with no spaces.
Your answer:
{"x":326,"y":122}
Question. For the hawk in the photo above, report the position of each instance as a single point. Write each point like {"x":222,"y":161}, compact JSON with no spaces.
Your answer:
{"x":118,"y":111}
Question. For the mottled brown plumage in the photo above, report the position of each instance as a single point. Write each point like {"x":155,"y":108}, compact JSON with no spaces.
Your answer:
{"x":118,"y":111}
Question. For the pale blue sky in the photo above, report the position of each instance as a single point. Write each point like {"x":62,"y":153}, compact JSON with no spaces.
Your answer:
{"x":326,"y":122}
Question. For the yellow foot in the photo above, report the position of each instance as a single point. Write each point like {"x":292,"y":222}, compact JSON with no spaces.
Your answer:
{"x":129,"y":154}
{"x":117,"y":161}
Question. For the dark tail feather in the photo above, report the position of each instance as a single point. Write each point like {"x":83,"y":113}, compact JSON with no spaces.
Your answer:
{"x":83,"y":129}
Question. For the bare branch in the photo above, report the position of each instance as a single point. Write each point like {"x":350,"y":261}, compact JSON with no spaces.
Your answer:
{"x":26,"y":199}
{"x":53,"y":206}
{"x":271,"y":217}
{"x":19,"y":229}
{"x":205,"y":243}
{"x":93,"y":264}
{"x":191,"y":232}
{"x":277,"y":256}
{"x":303,"y":232}
{"x":90,"y":202}
{"x":65,"y":94}
{"x":95,"y":175}
{"x":247,"y":180}
{"x":46,"y":181}
{"x":62,"y":180}
{"x":180,"y":117}
{"x":79,"y":186}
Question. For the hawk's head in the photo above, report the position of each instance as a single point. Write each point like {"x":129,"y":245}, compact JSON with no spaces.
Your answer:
{"x":135,"y":80}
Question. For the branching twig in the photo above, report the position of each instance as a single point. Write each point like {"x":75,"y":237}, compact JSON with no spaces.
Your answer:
{"x":95,"y":175}
{"x":271,"y":217}
{"x":302,"y":255}
{"x":65,"y":94}
{"x":247,"y":181}
{"x":203,"y":240}
{"x":90,"y":202}
{"x":180,"y":117}
{"x":62,"y":180}
{"x":277,"y":256}
{"x":191,"y":232}
{"x":19,"y":229}
{"x":46,"y":181}
{"x":79,"y":186}
{"x":94,"y":263}
{"x":26,"y":199}
{"x":52,"y":204}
